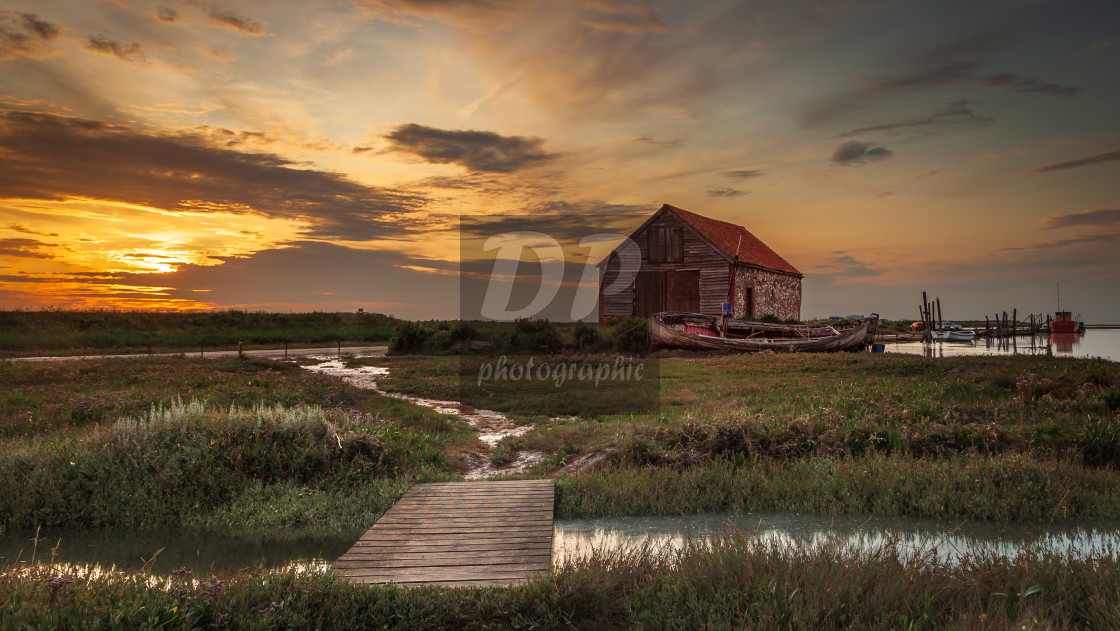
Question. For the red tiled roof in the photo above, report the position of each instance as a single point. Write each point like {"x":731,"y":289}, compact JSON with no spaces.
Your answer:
{"x":726,"y":237}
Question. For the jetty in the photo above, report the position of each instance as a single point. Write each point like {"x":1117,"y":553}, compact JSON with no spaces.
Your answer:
{"x":458,"y":534}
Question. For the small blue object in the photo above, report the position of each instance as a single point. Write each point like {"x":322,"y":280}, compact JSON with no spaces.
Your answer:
{"x":877,"y":348}
{"x":726,"y":309}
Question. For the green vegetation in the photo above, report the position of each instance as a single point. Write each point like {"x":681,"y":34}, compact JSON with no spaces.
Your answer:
{"x":735,"y":582}
{"x":29,"y":332}
{"x":245,"y":447}
{"x":188,"y":464}
{"x":41,"y":398}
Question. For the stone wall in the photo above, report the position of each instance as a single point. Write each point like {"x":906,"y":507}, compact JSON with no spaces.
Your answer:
{"x":772,"y":293}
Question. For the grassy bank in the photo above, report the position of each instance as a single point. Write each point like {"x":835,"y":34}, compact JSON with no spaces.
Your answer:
{"x":236,"y":469}
{"x":25,"y":332}
{"x":44,"y":398}
{"x":734,"y":583}
{"x":804,"y":405}
{"x":986,"y":488}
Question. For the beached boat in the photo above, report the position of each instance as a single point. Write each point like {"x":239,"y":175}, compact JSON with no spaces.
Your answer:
{"x":693,"y":331}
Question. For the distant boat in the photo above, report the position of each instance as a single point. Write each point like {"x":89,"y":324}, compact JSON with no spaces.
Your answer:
{"x":693,"y":331}
{"x":1063,"y":321}
{"x":953,"y":335}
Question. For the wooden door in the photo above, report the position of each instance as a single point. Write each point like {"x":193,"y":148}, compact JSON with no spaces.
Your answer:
{"x":648,"y":294}
{"x":683,"y":290}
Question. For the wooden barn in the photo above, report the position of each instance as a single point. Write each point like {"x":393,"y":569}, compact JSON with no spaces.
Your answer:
{"x":694,"y":263}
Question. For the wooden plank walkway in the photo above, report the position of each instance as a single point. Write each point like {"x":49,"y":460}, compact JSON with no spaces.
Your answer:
{"x":458,"y":533}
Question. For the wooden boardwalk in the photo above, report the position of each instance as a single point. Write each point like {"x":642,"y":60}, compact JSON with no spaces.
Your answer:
{"x":458,"y":533}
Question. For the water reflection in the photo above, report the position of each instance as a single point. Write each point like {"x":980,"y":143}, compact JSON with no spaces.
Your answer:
{"x":173,"y":549}
{"x":1104,"y":343}
{"x":944,"y":539}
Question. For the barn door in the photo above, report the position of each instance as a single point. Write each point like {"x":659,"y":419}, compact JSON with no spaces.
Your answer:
{"x":683,"y":290}
{"x":648,"y":294}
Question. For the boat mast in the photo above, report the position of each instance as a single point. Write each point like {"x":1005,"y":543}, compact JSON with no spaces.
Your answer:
{"x":1059,"y":296}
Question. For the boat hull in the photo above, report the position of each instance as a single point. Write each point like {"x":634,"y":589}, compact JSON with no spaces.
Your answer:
{"x":662,"y":334}
{"x":1064,"y":326}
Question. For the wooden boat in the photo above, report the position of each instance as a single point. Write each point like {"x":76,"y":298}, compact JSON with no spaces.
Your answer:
{"x":693,"y":331}
{"x":951,"y":335}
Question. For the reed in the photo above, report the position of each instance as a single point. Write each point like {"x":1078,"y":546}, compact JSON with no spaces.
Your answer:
{"x":1005,"y":488}
{"x":733,"y":582}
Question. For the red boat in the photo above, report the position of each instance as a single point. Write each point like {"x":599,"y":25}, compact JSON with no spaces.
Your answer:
{"x":1063,"y":322}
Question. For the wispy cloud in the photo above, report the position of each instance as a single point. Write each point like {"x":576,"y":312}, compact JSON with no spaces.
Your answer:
{"x":625,"y":17}
{"x":925,"y":78}
{"x":476,"y":150}
{"x":661,"y":144}
{"x":953,"y":117}
{"x":105,"y":46}
{"x":856,"y":152}
{"x":1104,"y":217}
{"x":1108,"y":156}
{"x":743,"y":174}
{"x":842,"y":265}
{"x":25,"y":35}
{"x":724,"y":191}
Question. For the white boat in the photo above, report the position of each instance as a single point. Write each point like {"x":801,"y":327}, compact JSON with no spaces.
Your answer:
{"x":952,"y":336}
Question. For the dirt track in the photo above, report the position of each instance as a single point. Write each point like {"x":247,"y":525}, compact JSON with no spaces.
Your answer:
{"x":272,"y":353}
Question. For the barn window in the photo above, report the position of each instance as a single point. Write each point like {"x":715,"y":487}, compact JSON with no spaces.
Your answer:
{"x":665,"y":245}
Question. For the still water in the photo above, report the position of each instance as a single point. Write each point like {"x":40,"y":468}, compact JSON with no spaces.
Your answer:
{"x":577,"y":537}
{"x":1104,"y":343}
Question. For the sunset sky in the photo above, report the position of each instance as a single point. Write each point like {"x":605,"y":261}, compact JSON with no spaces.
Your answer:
{"x":317,"y":155}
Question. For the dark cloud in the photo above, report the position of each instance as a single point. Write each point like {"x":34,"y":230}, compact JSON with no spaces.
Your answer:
{"x":222,"y":17}
{"x":663,"y":144}
{"x":856,"y":152}
{"x":1108,"y":156}
{"x":18,"y":227}
{"x":167,"y":15}
{"x":103,"y":45}
{"x":25,"y":35}
{"x":300,"y":274}
{"x":724,"y":191}
{"x":475,"y":150}
{"x":44,"y":156}
{"x":1085,"y":218}
{"x":743,"y":175}
{"x":953,"y":117}
{"x":44,"y":30}
{"x":25,"y":248}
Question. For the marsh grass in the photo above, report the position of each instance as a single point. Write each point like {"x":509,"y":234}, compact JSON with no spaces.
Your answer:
{"x":802,"y":405}
{"x":194,"y":464}
{"x":22,"y":332}
{"x":42,"y":398}
{"x":733,"y":582}
{"x":966,"y":487}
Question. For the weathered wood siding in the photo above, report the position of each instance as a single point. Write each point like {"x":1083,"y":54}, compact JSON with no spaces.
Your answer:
{"x":772,"y":293}
{"x":697,"y":256}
